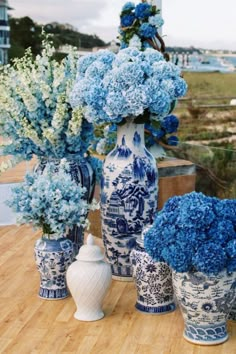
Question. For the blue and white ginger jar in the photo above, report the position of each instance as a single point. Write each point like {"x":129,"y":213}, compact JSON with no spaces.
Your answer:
{"x":205,"y":302}
{"x":53,"y":257}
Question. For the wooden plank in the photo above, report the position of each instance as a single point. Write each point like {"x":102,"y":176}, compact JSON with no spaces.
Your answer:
{"x":29,"y":324}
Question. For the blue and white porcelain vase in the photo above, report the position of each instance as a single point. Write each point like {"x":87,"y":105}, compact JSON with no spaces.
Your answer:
{"x":153,"y":281}
{"x":53,"y":257}
{"x":232,"y":313}
{"x":129,"y":189}
{"x":205,"y":302}
{"x":82,"y":173}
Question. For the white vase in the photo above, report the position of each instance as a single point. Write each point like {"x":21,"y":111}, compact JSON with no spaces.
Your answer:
{"x":129,"y":190}
{"x":205,"y":302}
{"x":88,"y":280}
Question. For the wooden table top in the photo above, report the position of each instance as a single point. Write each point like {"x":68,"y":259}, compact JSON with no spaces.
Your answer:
{"x":29,"y":324}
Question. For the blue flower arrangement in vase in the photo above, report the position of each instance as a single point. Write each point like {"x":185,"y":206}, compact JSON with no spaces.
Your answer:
{"x":36,"y":118}
{"x":126,"y":89}
{"x":54,"y":204}
{"x":196,"y":236}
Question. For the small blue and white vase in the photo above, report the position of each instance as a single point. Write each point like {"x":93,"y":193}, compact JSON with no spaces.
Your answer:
{"x":53,"y":257}
{"x":153,"y":281}
{"x":205,"y":302}
{"x":80,"y":171}
{"x":129,"y":190}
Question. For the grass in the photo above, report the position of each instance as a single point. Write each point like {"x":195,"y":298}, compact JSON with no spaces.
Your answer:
{"x":216,"y":163}
{"x":210,"y":84}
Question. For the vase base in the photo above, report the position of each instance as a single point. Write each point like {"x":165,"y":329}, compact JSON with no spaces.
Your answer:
{"x":206,"y":335}
{"x":205,"y":343}
{"x":158,"y":310}
{"x":88,"y":317}
{"x":49,"y":294}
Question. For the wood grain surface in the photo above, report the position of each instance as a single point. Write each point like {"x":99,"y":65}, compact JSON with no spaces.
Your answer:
{"x":29,"y":324}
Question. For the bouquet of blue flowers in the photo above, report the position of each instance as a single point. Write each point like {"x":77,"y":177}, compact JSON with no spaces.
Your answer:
{"x":36,"y":117}
{"x":195,"y":232}
{"x":51,"y":201}
{"x":139,"y":26}
{"x":135,"y":85}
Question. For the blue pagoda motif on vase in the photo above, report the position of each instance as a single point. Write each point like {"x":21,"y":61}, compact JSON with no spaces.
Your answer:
{"x":128,"y":198}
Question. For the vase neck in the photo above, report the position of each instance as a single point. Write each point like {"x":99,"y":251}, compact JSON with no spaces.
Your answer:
{"x":131,"y":135}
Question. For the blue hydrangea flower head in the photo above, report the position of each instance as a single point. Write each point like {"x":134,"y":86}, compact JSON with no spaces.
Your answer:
{"x":127,"y":20}
{"x":172,"y":140}
{"x":170,"y":124}
{"x":143,"y":10}
{"x":147,"y":31}
{"x":189,"y":235}
{"x":129,"y":6}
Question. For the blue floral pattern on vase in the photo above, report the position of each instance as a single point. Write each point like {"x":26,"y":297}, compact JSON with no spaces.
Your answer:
{"x":53,"y":257}
{"x":82,"y":173}
{"x":232,"y":313}
{"x":205,"y":302}
{"x":153,"y":282}
{"x":128,"y":196}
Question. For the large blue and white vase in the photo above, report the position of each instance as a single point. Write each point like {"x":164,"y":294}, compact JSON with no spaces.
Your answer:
{"x":205,"y":302}
{"x":153,"y":281}
{"x":232,"y":313}
{"x":129,"y":189}
{"x":82,"y":173}
{"x":53,"y":257}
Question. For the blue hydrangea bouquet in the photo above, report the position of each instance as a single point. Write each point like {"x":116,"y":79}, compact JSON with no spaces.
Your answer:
{"x":52,"y":202}
{"x":111,"y":88}
{"x":195,"y":232}
{"x":139,"y":26}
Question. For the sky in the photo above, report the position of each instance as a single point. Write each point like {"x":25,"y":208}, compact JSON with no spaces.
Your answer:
{"x":209,"y":24}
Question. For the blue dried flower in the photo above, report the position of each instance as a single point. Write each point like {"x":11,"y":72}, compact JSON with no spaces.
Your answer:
{"x":129,"y":6}
{"x":127,"y":20}
{"x":170,"y":124}
{"x":143,"y":11}
{"x":147,"y":31}
{"x":172,"y":140}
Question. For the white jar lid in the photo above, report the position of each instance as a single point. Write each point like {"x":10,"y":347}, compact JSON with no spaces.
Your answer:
{"x":90,"y":252}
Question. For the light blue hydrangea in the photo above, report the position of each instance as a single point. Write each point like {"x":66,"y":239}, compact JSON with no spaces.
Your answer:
{"x":127,"y":85}
{"x":156,"y":21}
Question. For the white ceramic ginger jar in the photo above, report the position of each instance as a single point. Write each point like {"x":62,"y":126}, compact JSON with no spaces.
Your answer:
{"x":88,"y":280}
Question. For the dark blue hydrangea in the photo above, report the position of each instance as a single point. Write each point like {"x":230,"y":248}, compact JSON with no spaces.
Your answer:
{"x":210,"y":258}
{"x":231,"y":248}
{"x":170,"y":124}
{"x":158,"y":133}
{"x":127,"y":20}
{"x":143,"y":10}
{"x":173,"y":140}
{"x":147,"y":31}
{"x":129,"y":6}
{"x":231,"y":265}
{"x":176,"y":257}
{"x":188,"y":234}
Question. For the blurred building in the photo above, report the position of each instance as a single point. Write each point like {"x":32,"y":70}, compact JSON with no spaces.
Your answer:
{"x":4,"y":31}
